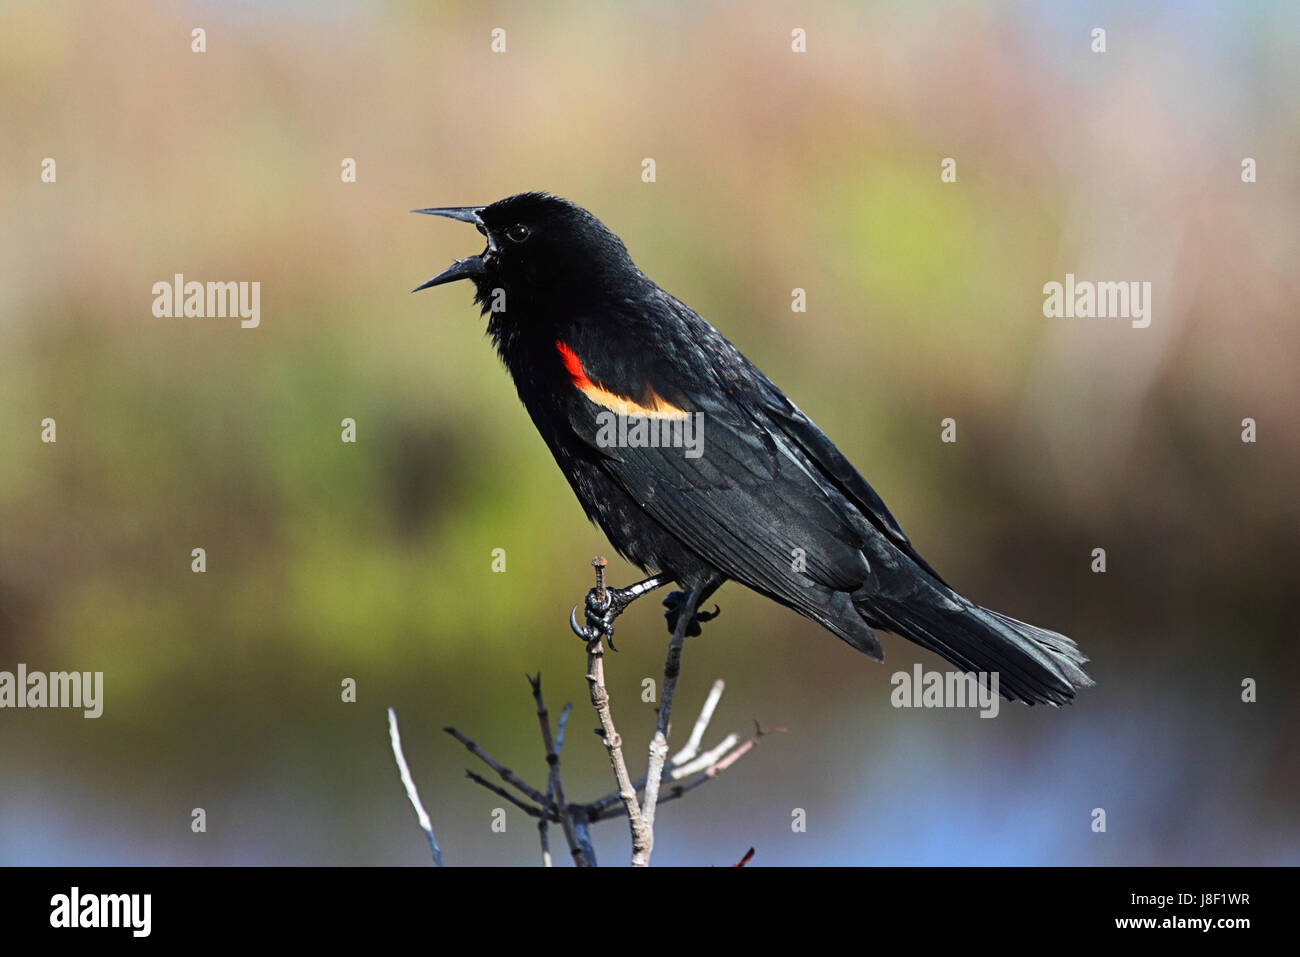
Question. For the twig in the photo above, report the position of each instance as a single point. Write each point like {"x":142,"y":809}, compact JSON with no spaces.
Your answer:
{"x":613,"y":742}
{"x":701,"y":724}
{"x":709,"y":757}
{"x":577,"y":813}
{"x":555,"y":783}
{"x":529,"y":809}
{"x":680,"y":790}
{"x":659,"y":743}
{"x":711,"y":772}
{"x":743,"y":750}
{"x":543,"y":825}
{"x":564,"y":721}
{"x":523,"y":787}
{"x":582,"y":828}
{"x":554,"y":807}
{"x":421,"y":814}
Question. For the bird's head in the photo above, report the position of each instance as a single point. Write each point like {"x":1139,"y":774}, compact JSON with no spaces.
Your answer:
{"x":541,"y":250}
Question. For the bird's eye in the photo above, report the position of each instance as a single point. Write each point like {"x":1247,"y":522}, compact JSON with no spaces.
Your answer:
{"x":517,"y":233}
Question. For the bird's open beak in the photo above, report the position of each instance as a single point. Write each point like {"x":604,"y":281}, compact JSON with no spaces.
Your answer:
{"x":466,"y":268}
{"x":466,"y":214}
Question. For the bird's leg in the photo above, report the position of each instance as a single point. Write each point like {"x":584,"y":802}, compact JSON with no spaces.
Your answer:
{"x":676,"y":601}
{"x":602,"y":609}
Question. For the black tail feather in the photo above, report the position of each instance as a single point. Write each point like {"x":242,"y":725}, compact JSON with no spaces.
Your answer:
{"x":1033,"y":664}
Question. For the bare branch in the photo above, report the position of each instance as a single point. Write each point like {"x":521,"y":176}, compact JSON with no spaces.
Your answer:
{"x":712,"y":756}
{"x":582,"y":827}
{"x":496,"y":789}
{"x":523,"y":787}
{"x":601,"y":805}
{"x":659,"y":743}
{"x":680,"y":790}
{"x":680,"y":769}
{"x":613,"y":742}
{"x":559,"y":731}
{"x":412,"y":794}
{"x":599,"y":810}
{"x":701,"y":725}
{"x":576,"y":819}
{"x":555,"y":783}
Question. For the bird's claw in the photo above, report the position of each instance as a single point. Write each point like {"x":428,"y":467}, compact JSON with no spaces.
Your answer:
{"x":579,"y":630}
{"x":600,"y":617}
{"x":674,"y":604}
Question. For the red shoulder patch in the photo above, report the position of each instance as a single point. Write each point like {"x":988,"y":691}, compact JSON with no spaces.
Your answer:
{"x":653,"y":407}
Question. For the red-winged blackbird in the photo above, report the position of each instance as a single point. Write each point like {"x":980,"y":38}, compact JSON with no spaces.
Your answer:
{"x":767,"y":500}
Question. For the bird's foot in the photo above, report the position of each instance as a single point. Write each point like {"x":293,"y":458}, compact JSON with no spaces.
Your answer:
{"x":675,"y":603}
{"x":600,"y":615}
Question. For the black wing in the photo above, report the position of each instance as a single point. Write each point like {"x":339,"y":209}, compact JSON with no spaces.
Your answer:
{"x":834,"y":467}
{"x":770,"y":502}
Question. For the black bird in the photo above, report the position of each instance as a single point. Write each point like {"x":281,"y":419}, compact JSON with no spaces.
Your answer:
{"x":767,"y":500}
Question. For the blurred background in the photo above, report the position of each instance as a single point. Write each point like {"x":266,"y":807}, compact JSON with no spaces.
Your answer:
{"x":775,"y":170}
